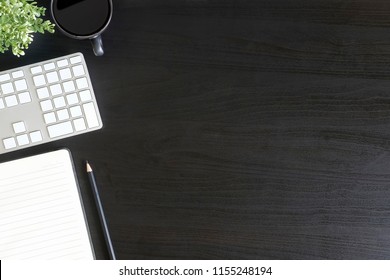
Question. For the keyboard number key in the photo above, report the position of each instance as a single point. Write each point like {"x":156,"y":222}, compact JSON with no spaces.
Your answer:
{"x":59,"y":102}
{"x":22,"y":140}
{"x":17,"y":74}
{"x":39,"y":80}
{"x":62,"y":63}
{"x":72,"y":99}
{"x":85,"y":95}
{"x":43,"y":93}
{"x":69,"y":86}
{"x":60,"y":129}
{"x":75,"y":59}
{"x":5,"y":77}
{"x":36,"y":70}
{"x":7,"y":88}
{"x":49,"y":66}
{"x":90,"y":115}
{"x":9,"y":143}
{"x":52,"y":77}
{"x":24,"y":97}
{"x":11,"y":101}
{"x":56,"y":89}
{"x":78,"y":70}
{"x":63,"y":114}
{"x":65,"y":74}
{"x":20,"y":85}
{"x":79,"y":124}
{"x":46,"y":105}
{"x":82,"y":83}
{"x":75,"y":111}
{"x":50,"y":118}
{"x":36,"y":136}
{"x":19,"y":127}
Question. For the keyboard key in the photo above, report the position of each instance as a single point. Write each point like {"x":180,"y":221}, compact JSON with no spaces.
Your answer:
{"x":20,"y":85}
{"x":63,"y":114}
{"x":22,"y":140}
{"x":85,"y":95}
{"x":43,"y":93}
{"x":90,"y":114}
{"x":69,"y":86}
{"x":56,"y":89}
{"x":62,"y":63}
{"x":52,"y":77}
{"x":11,"y":101}
{"x":75,"y":59}
{"x":9,"y":143}
{"x":78,"y":70}
{"x":17,"y":74}
{"x":82,"y":83}
{"x":36,"y":136}
{"x":50,"y":118}
{"x":36,"y":70}
{"x":75,"y":111}
{"x":24,"y":97}
{"x":59,"y":102}
{"x":39,"y":80}
{"x":49,"y":66}
{"x":7,"y":88}
{"x":2,"y":106}
{"x":65,"y":74}
{"x":19,"y":127}
{"x":79,"y":124}
{"x":5,"y":77}
{"x":60,"y":129}
{"x":72,"y":99}
{"x":46,"y":105}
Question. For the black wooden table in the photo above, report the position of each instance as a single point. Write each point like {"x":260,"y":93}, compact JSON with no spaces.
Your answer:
{"x":237,"y":129}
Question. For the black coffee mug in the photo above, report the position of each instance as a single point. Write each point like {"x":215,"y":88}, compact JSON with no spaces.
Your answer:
{"x":83,"y":19}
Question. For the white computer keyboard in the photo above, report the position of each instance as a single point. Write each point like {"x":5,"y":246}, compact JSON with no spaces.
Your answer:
{"x":46,"y":101}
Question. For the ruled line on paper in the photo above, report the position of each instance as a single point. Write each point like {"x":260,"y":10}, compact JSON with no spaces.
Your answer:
{"x":37,"y":193}
{"x":37,"y":199}
{"x":34,"y":188}
{"x":10,"y":224}
{"x":23,"y":184}
{"x":35,"y":173}
{"x":48,"y":249}
{"x":61,"y":256}
{"x":22,"y":226}
{"x":47,"y":240}
{"x":27,"y":211}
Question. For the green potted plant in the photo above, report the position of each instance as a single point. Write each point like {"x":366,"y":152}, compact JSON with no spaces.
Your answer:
{"x":19,"y":20}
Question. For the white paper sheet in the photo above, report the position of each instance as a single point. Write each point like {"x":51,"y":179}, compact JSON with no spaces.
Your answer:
{"x":41,"y":214}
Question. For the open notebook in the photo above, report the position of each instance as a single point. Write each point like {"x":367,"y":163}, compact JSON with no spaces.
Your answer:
{"x":41,"y":213}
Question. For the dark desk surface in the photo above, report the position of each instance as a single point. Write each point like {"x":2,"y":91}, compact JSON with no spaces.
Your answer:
{"x":238,"y":129}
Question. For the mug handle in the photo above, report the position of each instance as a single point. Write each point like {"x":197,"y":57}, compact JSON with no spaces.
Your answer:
{"x":97,"y":45}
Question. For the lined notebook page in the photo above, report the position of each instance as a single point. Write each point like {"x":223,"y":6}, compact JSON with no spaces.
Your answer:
{"x":41,"y":215}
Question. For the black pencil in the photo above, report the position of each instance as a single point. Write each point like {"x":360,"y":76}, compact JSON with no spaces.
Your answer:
{"x":99,"y":207}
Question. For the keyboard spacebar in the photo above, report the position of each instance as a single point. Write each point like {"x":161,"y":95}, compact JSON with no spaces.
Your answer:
{"x":60,"y":129}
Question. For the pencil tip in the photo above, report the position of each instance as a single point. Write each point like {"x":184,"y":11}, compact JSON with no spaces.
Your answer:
{"x":89,"y":168}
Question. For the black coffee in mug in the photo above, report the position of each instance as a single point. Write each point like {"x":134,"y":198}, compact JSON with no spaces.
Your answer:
{"x":83,"y":19}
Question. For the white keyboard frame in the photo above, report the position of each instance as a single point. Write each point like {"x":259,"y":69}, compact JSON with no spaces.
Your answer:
{"x":22,"y":121}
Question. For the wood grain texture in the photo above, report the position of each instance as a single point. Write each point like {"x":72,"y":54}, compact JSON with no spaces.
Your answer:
{"x":239,"y":129}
